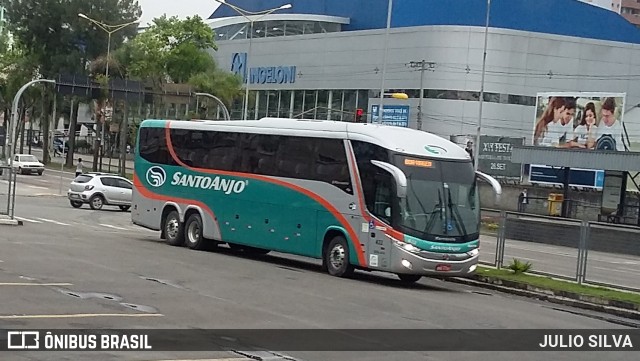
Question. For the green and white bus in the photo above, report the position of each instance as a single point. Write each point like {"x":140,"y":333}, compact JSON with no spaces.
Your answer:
{"x":357,"y":196}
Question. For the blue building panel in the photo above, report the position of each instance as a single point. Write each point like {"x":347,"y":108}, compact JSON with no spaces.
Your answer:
{"x":561,"y":17}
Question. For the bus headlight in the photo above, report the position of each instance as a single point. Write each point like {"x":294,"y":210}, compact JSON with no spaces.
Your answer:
{"x":474,"y":252}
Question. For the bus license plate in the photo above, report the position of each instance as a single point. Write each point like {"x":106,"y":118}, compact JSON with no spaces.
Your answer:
{"x":443,"y":268}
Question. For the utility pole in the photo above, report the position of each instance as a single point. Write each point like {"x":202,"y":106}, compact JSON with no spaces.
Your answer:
{"x":423,"y":65}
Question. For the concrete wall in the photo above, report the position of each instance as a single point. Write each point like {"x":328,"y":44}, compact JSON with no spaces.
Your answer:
{"x":517,"y":63}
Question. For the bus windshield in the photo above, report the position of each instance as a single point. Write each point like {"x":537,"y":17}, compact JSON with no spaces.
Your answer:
{"x":442,"y":202}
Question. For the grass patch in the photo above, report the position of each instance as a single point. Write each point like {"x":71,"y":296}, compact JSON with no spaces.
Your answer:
{"x":559,"y":285}
{"x":114,"y":170}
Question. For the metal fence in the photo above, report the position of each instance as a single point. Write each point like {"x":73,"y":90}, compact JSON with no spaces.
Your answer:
{"x":583,"y":251}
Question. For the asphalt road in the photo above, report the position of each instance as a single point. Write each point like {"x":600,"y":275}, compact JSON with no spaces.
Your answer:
{"x":602,"y":267}
{"x":607,"y":268}
{"x":103,"y":272}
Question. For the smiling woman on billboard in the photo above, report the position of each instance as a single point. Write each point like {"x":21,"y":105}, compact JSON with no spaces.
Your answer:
{"x":590,"y":121}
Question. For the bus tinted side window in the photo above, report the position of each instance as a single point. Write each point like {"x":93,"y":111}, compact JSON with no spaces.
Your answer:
{"x":331,"y":164}
{"x":295,"y":158}
{"x":153,"y":146}
{"x":222,"y":151}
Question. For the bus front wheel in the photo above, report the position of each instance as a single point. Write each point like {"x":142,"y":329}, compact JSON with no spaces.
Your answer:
{"x":337,"y":258}
{"x":409,"y":278}
{"x":174,"y":229}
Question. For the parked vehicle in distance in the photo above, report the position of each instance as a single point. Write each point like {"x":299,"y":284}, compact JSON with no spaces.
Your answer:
{"x":99,"y":190}
{"x":57,"y":144}
{"x":27,"y":164}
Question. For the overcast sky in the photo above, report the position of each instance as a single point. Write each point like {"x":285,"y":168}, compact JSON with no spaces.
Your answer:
{"x":182,"y":8}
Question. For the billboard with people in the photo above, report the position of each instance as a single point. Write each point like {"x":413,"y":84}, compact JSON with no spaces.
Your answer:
{"x":582,"y":121}
{"x":589,"y":121}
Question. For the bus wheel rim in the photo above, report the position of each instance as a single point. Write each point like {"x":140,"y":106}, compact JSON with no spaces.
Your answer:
{"x":194,"y":232}
{"x":337,"y":256}
{"x":172,"y":228}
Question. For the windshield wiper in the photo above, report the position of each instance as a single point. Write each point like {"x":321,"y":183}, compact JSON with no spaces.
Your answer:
{"x":432,"y":218}
{"x":453,"y":209}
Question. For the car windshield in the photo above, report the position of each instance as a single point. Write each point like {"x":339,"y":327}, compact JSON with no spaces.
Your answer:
{"x":28,"y":158}
{"x":442,"y":202}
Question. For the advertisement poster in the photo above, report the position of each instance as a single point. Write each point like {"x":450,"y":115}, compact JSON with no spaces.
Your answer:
{"x":589,"y":121}
{"x":495,"y":157}
{"x":578,"y":121}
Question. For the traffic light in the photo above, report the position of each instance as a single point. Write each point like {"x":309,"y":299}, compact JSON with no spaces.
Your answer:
{"x":359,"y":115}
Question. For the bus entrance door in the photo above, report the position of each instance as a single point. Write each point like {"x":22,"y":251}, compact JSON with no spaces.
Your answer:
{"x":379,"y":247}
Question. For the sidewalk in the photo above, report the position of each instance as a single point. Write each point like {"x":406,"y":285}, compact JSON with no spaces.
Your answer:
{"x":87,"y":159}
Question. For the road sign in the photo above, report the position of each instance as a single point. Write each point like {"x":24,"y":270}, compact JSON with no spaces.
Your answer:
{"x":396,"y":115}
{"x":494,"y":157}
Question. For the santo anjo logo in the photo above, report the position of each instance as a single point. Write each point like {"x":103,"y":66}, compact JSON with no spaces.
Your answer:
{"x":156,"y":176}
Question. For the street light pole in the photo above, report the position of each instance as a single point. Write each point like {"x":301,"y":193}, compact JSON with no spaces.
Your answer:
{"x":109,"y":29}
{"x":384,"y":62}
{"x":11,"y":131}
{"x":476,"y":148}
{"x":247,"y":70}
{"x":251,"y":18}
{"x":225,"y":111}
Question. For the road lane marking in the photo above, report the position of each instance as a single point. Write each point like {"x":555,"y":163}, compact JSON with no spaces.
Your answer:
{"x":114,"y":227}
{"x":37,"y":187}
{"x":52,"y":221}
{"x":80,"y":315}
{"x":33,"y":284}
{"x":27,"y":220}
{"x":217,"y":359}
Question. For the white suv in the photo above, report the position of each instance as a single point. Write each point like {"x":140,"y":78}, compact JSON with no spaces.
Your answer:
{"x":100,"y":189}
{"x":27,"y":163}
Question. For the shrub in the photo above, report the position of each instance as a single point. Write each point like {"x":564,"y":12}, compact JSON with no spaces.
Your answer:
{"x":518,"y":266}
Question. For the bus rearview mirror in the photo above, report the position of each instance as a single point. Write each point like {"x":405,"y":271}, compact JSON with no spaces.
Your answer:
{"x":398,"y":175}
{"x":497,"y":188}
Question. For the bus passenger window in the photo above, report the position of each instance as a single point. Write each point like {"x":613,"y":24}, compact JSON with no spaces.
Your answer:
{"x":331,"y":164}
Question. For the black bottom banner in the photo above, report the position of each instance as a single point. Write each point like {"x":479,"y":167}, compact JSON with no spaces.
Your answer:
{"x":320,"y":340}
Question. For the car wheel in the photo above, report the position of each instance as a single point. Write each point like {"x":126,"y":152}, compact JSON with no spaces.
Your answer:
{"x":124,"y":208}
{"x":409,"y":278}
{"x":96,"y":202}
{"x":20,"y":171}
{"x":76,"y":204}
{"x":337,"y":258}
{"x":173,"y":229}
{"x":40,"y":172}
{"x":193,"y":232}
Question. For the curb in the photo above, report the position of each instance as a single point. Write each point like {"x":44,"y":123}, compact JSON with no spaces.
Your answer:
{"x":612,"y":307}
{"x":10,"y":222}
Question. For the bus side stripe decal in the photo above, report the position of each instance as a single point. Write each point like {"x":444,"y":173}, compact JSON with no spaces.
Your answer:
{"x":343,"y":221}
{"x":151,"y":195}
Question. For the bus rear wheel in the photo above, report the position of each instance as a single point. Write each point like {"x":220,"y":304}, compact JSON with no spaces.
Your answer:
{"x":409,"y":278}
{"x":193,"y":232}
{"x":174,"y":229}
{"x":336,"y":258}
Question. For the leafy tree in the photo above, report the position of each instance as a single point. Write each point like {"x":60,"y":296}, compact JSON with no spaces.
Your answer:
{"x":225,"y":85}
{"x":171,"y":50}
{"x":178,"y":51}
{"x":59,"y":41}
{"x":16,"y":69}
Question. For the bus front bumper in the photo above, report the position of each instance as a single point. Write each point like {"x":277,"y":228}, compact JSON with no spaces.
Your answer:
{"x":434,"y":264}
